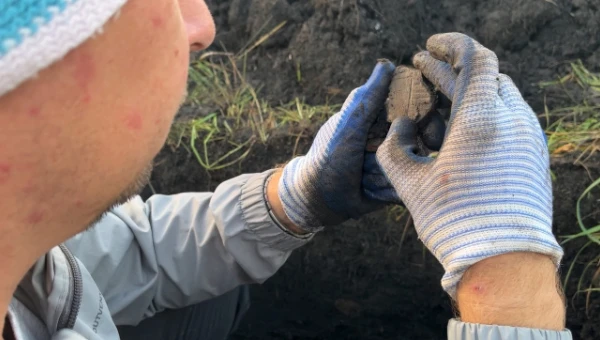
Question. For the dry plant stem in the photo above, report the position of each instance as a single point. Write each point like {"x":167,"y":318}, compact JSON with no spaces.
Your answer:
{"x":515,"y":289}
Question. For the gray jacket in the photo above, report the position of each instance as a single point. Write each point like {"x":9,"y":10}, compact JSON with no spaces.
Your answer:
{"x":166,"y":253}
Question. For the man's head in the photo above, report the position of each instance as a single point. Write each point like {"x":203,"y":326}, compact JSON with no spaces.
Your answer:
{"x":81,"y":134}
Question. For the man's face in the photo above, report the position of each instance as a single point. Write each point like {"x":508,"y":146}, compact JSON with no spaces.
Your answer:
{"x":90,"y":124}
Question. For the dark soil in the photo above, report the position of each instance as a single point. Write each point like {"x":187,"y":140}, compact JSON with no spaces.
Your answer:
{"x":336,"y":42}
{"x":357,"y":281}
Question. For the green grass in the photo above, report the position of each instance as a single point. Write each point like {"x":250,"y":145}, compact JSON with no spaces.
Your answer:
{"x":218,"y":83}
{"x":238,"y":117}
{"x":588,"y":281}
{"x":576,"y":127}
{"x":232,"y":115}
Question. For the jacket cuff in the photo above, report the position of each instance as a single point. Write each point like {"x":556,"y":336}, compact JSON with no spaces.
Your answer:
{"x":458,"y":330}
{"x":258,"y":219}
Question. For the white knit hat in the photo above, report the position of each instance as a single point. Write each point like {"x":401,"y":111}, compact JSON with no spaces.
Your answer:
{"x":36,"y":33}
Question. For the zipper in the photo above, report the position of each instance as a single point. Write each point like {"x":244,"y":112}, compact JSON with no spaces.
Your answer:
{"x":68,"y":320}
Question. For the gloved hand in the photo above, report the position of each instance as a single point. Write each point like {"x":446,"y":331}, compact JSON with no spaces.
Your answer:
{"x":489,"y":190}
{"x":325,"y":187}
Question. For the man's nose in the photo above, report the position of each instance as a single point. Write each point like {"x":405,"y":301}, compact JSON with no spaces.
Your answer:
{"x":199,"y":24}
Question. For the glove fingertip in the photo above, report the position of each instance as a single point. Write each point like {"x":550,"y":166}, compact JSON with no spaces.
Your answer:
{"x":381,"y":76}
{"x":371,"y":96}
{"x":386,"y":65}
{"x":420,"y":59}
{"x":439,"y":45}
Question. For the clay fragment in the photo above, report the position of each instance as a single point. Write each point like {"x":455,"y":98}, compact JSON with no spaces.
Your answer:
{"x":412,"y":96}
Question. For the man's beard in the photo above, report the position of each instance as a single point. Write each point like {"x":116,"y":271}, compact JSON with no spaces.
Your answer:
{"x":133,"y":189}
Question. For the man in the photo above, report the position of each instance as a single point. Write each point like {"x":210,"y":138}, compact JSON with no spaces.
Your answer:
{"x":88,"y":89}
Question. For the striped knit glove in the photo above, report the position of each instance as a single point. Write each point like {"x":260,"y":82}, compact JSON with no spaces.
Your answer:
{"x":325,"y":187}
{"x":489,"y":190}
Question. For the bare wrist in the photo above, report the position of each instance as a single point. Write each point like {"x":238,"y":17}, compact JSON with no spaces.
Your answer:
{"x":274,"y":201}
{"x":515,"y":289}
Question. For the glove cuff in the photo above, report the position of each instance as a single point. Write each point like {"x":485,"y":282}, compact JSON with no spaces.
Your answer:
{"x":295,"y":202}
{"x":484,"y":237}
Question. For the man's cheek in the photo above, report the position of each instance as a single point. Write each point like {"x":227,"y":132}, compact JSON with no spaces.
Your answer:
{"x":162,"y":124}
{"x":134,"y":121}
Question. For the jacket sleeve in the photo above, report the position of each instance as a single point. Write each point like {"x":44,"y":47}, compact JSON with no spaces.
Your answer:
{"x":458,"y":330}
{"x":174,"y":251}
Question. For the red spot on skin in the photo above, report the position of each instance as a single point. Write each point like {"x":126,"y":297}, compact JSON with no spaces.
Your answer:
{"x":445,"y":178}
{"x":78,"y":204}
{"x":134,"y":121}
{"x":35,"y":217}
{"x":84,"y":72}
{"x":29,"y":189}
{"x":477,"y":289}
{"x":34,"y":112}
{"x":87,"y":98}
{"x":157,"y":21}
{"x":176,"y":53}
{"x":5,"y":170}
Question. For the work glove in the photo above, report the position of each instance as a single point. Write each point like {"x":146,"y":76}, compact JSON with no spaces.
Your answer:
{"x":489,"y":191}
{"x":325,"y":187}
